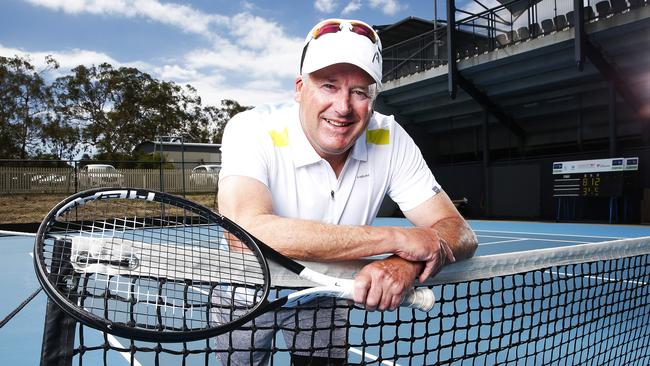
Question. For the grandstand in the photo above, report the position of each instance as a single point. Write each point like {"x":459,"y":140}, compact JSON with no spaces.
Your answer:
{"x":522,"y":92}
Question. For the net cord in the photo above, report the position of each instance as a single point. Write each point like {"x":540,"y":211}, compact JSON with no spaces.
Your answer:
{"x":483,"y":267}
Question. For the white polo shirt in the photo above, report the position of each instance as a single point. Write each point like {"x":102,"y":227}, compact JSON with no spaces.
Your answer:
{"x":268,"y":144}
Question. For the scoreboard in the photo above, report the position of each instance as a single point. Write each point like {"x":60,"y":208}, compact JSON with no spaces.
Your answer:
{"x":593,"y":178}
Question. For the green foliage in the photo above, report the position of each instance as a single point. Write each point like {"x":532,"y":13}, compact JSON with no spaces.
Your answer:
{"x":99,"y":108}
{"x":25,"y":101}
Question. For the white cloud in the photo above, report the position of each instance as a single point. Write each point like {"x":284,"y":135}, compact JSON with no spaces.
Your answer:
{"x":259,"y":49}
{"x":325,"y":6}
{"x":213,"y":89}
{"x":352,"y":6}
{"x":388,"y":7}
{"x":176,"y":73}
{"x":212,"y":81}
{"x":66,"y":59}
{"x":250,"y":59}
{"x":183,"y":17}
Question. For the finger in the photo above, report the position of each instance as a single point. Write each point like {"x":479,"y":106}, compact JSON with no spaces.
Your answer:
{"x":386,"y":300}
{"x":361,"y":287}
{"x":428,"y":270}
{"x":374,"y":297}
{"x":397,"y":300}
{"x":392,"y":297}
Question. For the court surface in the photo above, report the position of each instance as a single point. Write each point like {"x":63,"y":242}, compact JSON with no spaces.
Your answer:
{"x":20,"y":339}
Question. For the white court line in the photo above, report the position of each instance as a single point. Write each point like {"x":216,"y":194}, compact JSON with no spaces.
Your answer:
{"x":533,"y":239}
{"x":16,"y":233}
{"x":548,"y":234}
{"x":127,"y":356}
{"x":501,"y":241}
{"x":372,"y":357}
{"x":600,"y":278}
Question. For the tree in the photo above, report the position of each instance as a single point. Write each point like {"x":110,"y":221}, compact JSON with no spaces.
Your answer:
{"x":61,"y":139}
{"x":100,"y":108}
{"x":116,"y":109}
{"x":211,"y":121}
{"x":25,"y":101}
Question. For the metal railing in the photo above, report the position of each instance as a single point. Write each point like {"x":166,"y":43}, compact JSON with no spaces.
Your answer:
{"x":490,"y":29}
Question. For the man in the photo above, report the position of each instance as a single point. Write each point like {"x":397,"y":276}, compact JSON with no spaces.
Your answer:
{"x":308,"y":178}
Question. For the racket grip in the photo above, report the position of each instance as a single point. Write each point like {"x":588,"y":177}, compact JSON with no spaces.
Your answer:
{"x":421,"y":298}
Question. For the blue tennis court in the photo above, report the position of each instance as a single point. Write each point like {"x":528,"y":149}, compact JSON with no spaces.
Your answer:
{"x":20,"y":339}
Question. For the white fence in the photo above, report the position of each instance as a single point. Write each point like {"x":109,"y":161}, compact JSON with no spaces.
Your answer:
{"x":65,"y":180}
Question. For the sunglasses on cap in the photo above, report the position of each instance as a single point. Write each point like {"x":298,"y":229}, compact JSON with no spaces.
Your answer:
{"x":336,"y":25}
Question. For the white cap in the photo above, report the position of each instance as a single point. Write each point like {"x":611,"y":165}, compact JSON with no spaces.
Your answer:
{"x":344,"y":46}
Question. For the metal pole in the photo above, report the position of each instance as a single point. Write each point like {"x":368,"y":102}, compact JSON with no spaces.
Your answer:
{"x":451,"y":49}
{"x":162,"y":177}
{"x":435,"y":30}
{"x":578,"y":21}
{"x":183,"y":162}
{"x":486,"y":162}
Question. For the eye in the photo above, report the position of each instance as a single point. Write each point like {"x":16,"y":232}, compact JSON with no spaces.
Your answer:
{"x":361,"y":93}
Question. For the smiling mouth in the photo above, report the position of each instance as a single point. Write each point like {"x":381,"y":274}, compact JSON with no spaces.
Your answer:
{"x":337,"y":123}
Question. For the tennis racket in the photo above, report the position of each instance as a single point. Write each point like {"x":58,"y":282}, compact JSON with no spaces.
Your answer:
{"x":151,"y":266}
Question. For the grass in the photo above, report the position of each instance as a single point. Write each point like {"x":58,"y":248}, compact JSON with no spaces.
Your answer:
{"x":32,"y":208}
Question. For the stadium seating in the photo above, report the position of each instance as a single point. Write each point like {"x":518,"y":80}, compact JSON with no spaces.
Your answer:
{"x":618,"y":6}
{"x":603,"y":8}
{"x":535,"y":30}
{"x":636,"y":3}
{"x":560,"y":22}
{"x":513,"y":36}
{"x":523,"y":33}
{"x":502,"y":40}
{"x":570,"y":19}
{"x":548,"y":26}
{"x":589,"y":13}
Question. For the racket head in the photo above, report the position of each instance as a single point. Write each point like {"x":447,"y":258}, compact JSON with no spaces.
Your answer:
{"x":149,"y":266}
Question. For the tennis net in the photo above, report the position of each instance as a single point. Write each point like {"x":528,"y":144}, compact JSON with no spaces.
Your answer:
{"x":587,"y":304}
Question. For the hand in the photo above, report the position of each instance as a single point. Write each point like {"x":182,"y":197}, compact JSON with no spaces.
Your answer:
{"x":381,"y":284}
{"x":424,"y":244}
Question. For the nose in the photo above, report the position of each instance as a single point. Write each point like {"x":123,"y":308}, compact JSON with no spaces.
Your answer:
{"x":342,"y":104}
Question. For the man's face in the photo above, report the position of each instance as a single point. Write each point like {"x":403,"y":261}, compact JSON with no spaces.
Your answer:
{"x":335,"y":107}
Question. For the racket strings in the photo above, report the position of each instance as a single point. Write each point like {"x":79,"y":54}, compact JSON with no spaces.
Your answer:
{"x":151,"y":265}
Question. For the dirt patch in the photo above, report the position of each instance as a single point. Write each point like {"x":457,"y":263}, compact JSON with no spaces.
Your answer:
{"x":32,"y":208}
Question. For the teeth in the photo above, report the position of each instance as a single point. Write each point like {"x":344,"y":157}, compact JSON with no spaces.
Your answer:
{"x":337,"y":124}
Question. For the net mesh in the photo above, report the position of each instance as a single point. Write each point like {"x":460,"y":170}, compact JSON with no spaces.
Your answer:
{"x":587,"y":305}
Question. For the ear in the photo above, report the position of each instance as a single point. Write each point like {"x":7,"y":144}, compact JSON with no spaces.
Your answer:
{"x":298,"y":89}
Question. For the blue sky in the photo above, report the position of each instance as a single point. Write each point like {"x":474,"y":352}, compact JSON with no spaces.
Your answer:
{"x":227,"y":49}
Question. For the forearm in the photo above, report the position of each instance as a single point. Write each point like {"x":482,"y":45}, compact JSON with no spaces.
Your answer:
{"x":311,"y":240}
{"x":458,"y":235}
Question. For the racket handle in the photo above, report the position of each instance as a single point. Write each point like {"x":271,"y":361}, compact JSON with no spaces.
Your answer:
{"x":421,"y":298}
